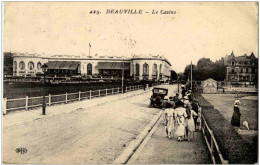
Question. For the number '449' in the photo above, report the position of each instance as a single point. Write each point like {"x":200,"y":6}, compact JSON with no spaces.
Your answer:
{"x":94,"y":12}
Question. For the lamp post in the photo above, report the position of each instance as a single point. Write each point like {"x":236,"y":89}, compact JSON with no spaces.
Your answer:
{"x":44,"y":69}
{"x":178,"y":83}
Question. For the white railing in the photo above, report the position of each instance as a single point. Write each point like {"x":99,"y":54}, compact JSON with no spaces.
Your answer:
{"x":211,"y":142}
{"x":30,"y":102}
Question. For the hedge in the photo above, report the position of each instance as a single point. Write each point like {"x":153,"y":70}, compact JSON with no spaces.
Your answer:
{"x":232,"y":146}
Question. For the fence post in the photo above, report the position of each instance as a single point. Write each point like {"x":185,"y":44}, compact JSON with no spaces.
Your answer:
{"x":125,"y":89}
{"x":49,"y":99}
{"x":79,"y":95}
{"x":26,"y":103}
{"x":118,"y":90}
{"x":200,"y":118}
{"x":99,"y":92}
{"x":90,"y":94}
{"x":112,"y":91}
{"x":106,"y":91}
{"x":211,"y":141}
{"x":4,"y":106}
{"x":66,"y":98}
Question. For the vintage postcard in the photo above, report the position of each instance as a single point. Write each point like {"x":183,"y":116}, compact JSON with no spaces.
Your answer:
{"x":130,"y":82}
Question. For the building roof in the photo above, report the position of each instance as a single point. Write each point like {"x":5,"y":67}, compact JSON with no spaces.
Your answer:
{"x":243,"y":60}
{"x":113,"y":65}
{"x":66,"y":65}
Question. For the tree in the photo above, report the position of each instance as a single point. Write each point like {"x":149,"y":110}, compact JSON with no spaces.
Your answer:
{"x":187,"y":72}
{"x":205,"y":69}
{"x":173,"y":75}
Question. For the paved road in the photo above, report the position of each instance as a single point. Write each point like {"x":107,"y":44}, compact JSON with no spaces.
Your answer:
{"x":89,"y":135}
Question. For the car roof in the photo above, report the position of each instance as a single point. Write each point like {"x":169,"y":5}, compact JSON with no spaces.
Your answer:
{"x":161,"y":88}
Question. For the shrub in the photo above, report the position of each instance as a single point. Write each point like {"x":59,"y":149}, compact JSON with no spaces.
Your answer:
{"x":232,"y":146}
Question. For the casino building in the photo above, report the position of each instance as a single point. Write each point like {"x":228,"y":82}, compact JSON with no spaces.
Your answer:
{"x":137,"y":67}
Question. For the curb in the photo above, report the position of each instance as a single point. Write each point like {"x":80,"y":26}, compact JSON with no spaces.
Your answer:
{"x":132,"y":147}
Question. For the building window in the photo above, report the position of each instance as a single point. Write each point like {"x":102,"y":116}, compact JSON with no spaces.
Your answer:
{"x":146,"y":69}
{"x":232,"y":71}
{"x":155,"y":70}
{"x":233,"y":63}
{"x":39,"y":66}
{"x":137,"y":69}
{"x":31,"y":66}
{"x":246,"y":70}
{"x":89,"y":69}
{"x":160,"y":69}
{"x":15,"y":66}
{"x":241,"y":70}
{"x":21,"y":65}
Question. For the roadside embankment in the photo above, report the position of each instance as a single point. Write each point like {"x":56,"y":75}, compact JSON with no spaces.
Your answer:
{"x":232,"y":146}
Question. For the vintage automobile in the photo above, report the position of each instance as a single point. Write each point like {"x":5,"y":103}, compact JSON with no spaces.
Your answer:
{"x":158,"y":96}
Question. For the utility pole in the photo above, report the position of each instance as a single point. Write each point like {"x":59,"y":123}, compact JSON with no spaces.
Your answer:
{"x":178,"y":84}
{"x":89,"y":50}
{"x":191,"y":75}
{"x":123,"y":71}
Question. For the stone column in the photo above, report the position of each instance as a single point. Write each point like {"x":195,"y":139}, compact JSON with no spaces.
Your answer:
{"x":133,"y":70}
{"x":141,"y":70}
{"x":150,"y":77}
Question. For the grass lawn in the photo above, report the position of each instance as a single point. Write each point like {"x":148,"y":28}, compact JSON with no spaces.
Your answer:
{"x":248,"y":108}
{"x":33,"y":89}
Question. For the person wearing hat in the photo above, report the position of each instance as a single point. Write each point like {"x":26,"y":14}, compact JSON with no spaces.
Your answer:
{"x":164,"y":106}
{"x":190,"y":126}
{"x":195,"y":107}
{"x":176,"y":97}
{"x":165,"y":102}
{"x":171,"y":102}
{"x":180,"y":115}
{"x":170,"y":122}
{"x":183,"y":92}
{"x":235,"y":121}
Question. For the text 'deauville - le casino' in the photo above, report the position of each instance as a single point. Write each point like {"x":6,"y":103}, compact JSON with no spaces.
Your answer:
{"x":131,"y":11}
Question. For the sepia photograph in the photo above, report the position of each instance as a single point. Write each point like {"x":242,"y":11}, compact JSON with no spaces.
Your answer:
{"x":130,"y":82}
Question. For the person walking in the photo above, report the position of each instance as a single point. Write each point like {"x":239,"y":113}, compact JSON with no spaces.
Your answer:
{"x":176,"y":97}
{"x":170,"y":122}
{"x":164,"y":107}
{"x":183,"y":92}
{"x":188,"y":107}
{"x":190,"y":122}
{"x":195,"y":108}
{"x":180,"y":115}
{"x":235,"y":121}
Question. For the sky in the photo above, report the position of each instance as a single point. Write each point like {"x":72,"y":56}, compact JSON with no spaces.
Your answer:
{"x":197,"y":30}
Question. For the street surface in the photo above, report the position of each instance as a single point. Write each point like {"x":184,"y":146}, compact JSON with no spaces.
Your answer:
{"x":78,"y":133}
{"x":158,"y":149}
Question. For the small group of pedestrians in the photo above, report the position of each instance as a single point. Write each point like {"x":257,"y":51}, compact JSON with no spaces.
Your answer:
{"x":180,"y":115}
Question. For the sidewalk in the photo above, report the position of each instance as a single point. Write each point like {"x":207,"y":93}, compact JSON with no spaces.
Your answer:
{"x":158,"y":149}
{"x":22,"y":117}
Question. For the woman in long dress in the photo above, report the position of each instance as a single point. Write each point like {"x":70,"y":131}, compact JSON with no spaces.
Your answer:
{"x":235,"y":121}
{"x":190,"y":122}
{"x":180,"y":115}
{"x":170,"y":123}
